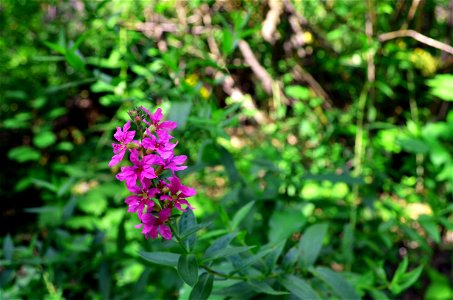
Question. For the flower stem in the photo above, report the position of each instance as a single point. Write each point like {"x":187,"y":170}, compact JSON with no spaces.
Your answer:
{"x":178,"y":239}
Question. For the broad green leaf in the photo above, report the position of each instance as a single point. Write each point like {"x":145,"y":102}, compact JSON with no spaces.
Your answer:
{"x":230,"y":166}
{"x":441,"y":86}
{"x":379,"y":295}
{"x":202,"y":288}
{"x":311,"y":243}
{"x":8,"y":247}
{"x":186,"y":222}
{"x":241,"y":214}
{"x":161,"y":258}
{"x":44,"y":139}
{"x":431,"y":228}
{"x":188,"y":269}
{"x":284,"y":223}
{"x":297,"y":92}
{"x":179,"y":112}
{"x":299,"y":287}
{"x":225,"y":252}
{"x":227,"y":42}
{"x":337,"y":282}
{"x":23,"y":154}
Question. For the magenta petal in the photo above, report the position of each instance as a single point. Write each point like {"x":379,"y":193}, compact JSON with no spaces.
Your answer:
{"x":117,"y":158}
{"x":157,"y":116}
{"x":164,"y":214}
{"x":127,"y":126}
{"x":165,"y":232}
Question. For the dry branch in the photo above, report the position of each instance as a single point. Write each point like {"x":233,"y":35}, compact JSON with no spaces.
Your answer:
{"x":416,"y":36}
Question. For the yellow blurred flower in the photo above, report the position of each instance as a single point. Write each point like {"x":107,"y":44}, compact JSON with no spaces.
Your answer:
{"x":205,"y":93}
{"x":192,"y":80}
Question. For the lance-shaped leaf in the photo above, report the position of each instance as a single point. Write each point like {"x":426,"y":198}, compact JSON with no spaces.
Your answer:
{"x":202,"y":288}
{"x":188,"y":269}
{"x":161,"y":258}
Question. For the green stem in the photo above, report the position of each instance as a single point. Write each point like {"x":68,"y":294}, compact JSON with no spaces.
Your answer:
{"x":214,"y":272}
{"x":178,"y":239}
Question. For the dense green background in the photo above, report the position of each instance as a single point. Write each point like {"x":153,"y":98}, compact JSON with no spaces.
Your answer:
{"x":318,"y":122}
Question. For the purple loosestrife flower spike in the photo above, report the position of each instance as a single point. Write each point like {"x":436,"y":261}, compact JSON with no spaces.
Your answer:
{"x":154,"y":196}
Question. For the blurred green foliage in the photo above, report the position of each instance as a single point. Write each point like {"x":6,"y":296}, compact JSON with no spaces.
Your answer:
{"x":338,"y":169}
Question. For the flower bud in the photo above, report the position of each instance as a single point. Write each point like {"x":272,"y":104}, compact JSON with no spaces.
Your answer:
{"x":133,"y":146}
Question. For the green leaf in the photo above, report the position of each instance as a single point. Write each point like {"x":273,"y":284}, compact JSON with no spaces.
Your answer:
{"x":252,"y":259}
{"x":44,"y":139}
{"x":23,"y":154}
{"x":8,"y":247}
{"x":44,"y":184}
{"x":179,"y":112}
{"x":297,"y":92}
{"x":409,"y":278}
{"x":227,"y":42}
{"x":272,"y":258}
{"x":193,"y":230}
{"x":400,"y":270}
{"x":225,"y":252}
{"x":311,"y":243}
{"x":104,"y":280}
{"x":220,"y":243}
{"x":431,"y":228}
{"x":441,"y":86}
{"x":188,"y":269}
{"x":264,"y":287}
{"x":75,"y":60}
{"x":347,"y":243}
{"x":241,"y":214}
{"x":299,"y":287}
{"x":283,"y":223}
{"x":337,"y":282}
{"x":161,"y":258}
{"x":203,"y":288}
{"x":55,"y":47}
{"x":402,"y":280}
{"x":185,"y":224}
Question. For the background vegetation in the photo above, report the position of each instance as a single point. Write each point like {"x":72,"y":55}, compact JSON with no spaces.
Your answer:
{"x":319,"y":127}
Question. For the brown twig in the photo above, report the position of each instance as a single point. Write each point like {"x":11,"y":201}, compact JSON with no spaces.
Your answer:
{"x":301,"y":74}
{"x":260,"y":72}
{"x":272,"y":19}
{"x":416,"y":36}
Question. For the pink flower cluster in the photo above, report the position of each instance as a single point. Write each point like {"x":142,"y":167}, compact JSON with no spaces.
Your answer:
{"x":152,"y":156}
